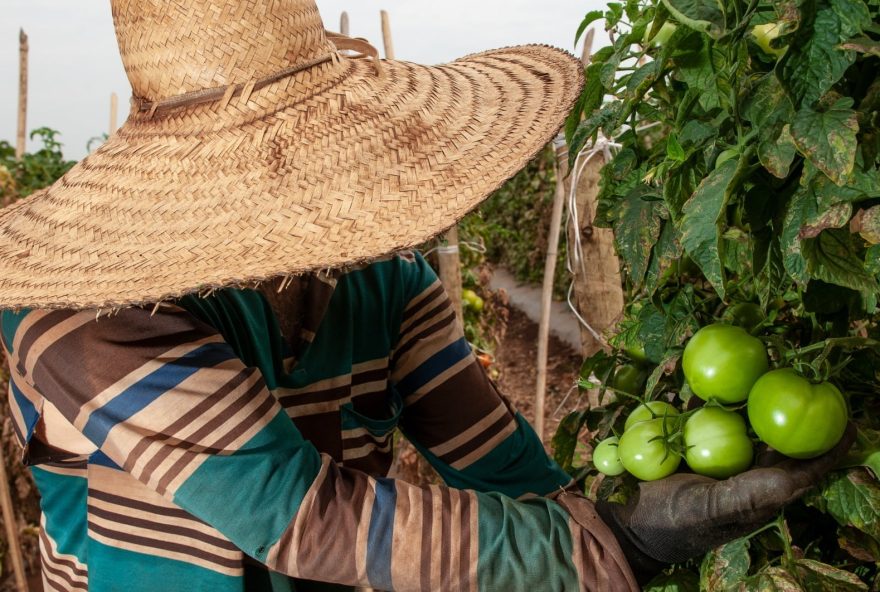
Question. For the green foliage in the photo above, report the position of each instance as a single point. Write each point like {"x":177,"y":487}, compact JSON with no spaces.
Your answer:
{"x":746,"y":176}
{"x":514,"y":224}
{"x":35,"y":170}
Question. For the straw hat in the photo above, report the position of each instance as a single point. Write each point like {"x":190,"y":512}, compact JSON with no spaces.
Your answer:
{"x":258,"y":146}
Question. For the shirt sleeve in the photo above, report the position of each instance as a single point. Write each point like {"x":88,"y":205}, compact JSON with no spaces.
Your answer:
{"x":165,"y":399}
{"x":452,"y":411}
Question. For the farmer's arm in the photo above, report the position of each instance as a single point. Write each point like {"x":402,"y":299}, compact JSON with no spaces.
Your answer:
{"x":452,"y":412}
{"x":166,"y":399}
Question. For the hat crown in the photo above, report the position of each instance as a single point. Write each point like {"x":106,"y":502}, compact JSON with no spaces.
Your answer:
{"x":172,"y":48}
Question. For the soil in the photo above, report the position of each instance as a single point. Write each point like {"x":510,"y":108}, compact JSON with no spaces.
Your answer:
{"x":514,"y":369}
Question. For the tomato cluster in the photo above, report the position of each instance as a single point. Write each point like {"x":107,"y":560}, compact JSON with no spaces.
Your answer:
{"x":725,"y":366}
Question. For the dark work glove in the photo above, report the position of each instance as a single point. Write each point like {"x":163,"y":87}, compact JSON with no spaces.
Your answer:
{"x":686,"y":515}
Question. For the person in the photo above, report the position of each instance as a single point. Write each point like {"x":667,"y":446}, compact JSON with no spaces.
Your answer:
{"x":214,"y":326}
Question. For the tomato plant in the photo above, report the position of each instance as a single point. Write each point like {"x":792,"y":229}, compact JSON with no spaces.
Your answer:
{"x":797,"y":418}
{"x":723,"y":362}
{"x":717,"y":443}
{"x":758,"y":160}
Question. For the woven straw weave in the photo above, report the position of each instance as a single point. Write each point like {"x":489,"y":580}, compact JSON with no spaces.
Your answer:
{"x":334,"y":165}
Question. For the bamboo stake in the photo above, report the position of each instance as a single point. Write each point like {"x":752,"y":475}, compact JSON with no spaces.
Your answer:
{"x":114,"y":113}
{"x":343,"y":23}
{"x":10,"y":524}
{"x":386,"y":36}
{"x":550,"y":271}
{"x":21,"y":138}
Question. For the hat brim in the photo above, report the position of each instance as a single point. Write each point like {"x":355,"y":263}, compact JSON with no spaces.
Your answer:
{"x":331,"y":167}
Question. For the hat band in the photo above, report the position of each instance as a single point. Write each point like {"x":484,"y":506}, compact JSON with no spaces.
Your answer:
{"x":226,"y":93}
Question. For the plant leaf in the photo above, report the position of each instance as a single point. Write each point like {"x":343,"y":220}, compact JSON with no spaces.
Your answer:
{"x":821,"y":577}
{"x":831,"y":257}
{"x":590,"y":18}
{"x":702,"y":15}
{"x":772,"y":579}
{"x":867,"y":224}
{"x":828,"y":138}
{"x":637,"y":228}
{"x":770,"y":111}
{"x":862,"y":45}
{"x":725,"y":566}
{"x":851,"y":497}
{"x":701,"y":225}
{"x":677,"y":581}
{"x":814,"y":61}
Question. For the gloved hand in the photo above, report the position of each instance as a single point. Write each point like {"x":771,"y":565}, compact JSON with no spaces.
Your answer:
{"x":686,"y":515}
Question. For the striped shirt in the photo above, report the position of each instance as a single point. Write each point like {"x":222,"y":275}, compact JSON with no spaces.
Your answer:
{"x":194,"y":448}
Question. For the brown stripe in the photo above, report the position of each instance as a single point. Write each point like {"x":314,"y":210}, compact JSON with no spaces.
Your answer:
{"x":446,"y":540}
{"x":167,"y":434}
{"x":34,"y":332}
{"x":125,"y":537}
{"x":376,"y":375}
{"x":438,"y":310}
{"x":452,"y":407}
{"x":162,"y":528}
{"x":349,"y":443}
{"x":464,"y":555}
{"x":435,"y":328}
{"x":411,"y":312}
{"x":474,"y":444}
{"x":220,"y":446}
{"x":74,"y":585}
{"x":58,"y":560}
{"x":120,"y":343}
{"x":427,"y":527}
{"x":323,"y":431}
{"x":140,"y":505}
{"x":323,"y":396}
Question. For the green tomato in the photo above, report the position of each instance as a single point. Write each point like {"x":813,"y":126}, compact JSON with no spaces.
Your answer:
{"x":644,"y":456}
{"x":723,"y":362}
{"x":796,"y":417}
{"x":636,"y":353}
{"x":717,"y":443}
{"x":606,"y":459}
{"x":747,"y":315}
{"x":764,"y":36}
{"x":629,"y":379}
{"x":472,"y":299}
{"x":651,"y":410}
{"x":661,"y":37}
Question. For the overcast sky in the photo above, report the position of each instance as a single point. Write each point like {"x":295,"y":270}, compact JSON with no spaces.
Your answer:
{"x":75,"y":64}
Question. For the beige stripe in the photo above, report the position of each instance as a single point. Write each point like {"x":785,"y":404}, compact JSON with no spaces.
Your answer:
{"x":422,"y":295}
{"x":197,"y":460}
{"x":577,"y":551}
{"x":61,"y":434}
{"x":406,"y":553}
{"x":118,"y":387}
{"x":166,"y":410}
{"x":455,"y":540}
{"x":426,"y":348}
{"x":291,"y":538}
{"x":363,"y":531}
{"x":474,"y":558}
{"x":485,"y":448}
{"x":470,"y":433}
{"x":437,"y":541}
{"x":378,"y":386}
{"x":65,"y":471}
{"x":161,"y":519}
{"x":424,"y":323}
{"x":29,"y":320}
{"x":53,"y":582}
{"x":429,"y":305}
{"x":321,"y":385}
{"x":370,"y":365}
{"x":58,"y":331}
{"x":439,"y":379}
{"x":165,"y":553}
{"x":26,"y":388}
{"x":316,"y":408}
{"x":365,"y":450}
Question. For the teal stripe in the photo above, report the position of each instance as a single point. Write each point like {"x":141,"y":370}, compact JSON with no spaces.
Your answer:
{"x":512,"y":561}
{"x":252,"y":495}
{"x":9,"y":321}
{"x":117,"y":570}
{"x":63,"y":499}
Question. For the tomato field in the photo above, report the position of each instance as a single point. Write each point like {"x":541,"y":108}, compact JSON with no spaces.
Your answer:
{"x":746,"y":191}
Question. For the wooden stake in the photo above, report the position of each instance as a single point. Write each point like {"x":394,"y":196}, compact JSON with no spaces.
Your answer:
{"x":9,"y":522}
{"x":547,"y":298}
{"x":21,"y":138}
{"x":343,"y":23}
{"x":114,"y":110}
{"x":386,"y":36}
{"x":450,"y":270}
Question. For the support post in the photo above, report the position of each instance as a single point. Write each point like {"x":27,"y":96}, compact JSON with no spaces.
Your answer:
{"x":386,"y":36}
{"x":21,"y":138}
{"x":343,"y":23}
{"x":11,"y":527}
